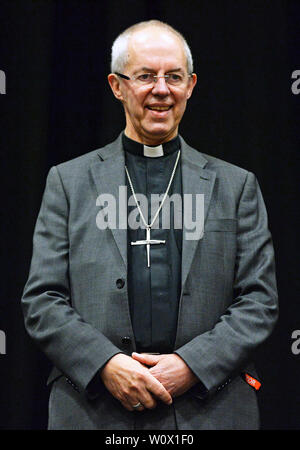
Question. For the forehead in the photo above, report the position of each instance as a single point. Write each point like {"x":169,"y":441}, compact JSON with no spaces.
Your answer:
{"x":156,"y":48}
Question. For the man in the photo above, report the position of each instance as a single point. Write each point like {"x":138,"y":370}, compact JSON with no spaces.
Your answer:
{"x":151,"y":327}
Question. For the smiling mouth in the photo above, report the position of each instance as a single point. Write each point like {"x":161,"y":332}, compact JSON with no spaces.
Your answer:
{"x":159,"y":108}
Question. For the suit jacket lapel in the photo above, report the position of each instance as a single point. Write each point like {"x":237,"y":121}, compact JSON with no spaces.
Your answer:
{"x":195,"y":180}
{"x":108,"y":174}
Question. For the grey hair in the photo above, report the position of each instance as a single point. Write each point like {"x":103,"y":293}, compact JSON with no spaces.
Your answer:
{"x":119,"y":51}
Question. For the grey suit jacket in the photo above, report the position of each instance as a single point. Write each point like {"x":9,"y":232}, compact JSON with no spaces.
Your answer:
{"x":75,"y":302}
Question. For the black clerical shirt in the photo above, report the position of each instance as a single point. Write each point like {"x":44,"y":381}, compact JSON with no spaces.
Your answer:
{"x":154,"y":291}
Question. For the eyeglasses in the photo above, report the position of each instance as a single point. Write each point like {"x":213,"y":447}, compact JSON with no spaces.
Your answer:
{"x":147,"y":79}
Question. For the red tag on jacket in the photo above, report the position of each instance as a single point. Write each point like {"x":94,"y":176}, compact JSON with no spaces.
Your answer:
{"x":252,"y":381}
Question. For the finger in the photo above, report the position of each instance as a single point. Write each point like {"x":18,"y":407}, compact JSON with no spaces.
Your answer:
{"x":129,"y":402}
{"x":154,"y":386}
{"x":140,"y":408}
{"x":144,"y":358}
{"x":140,"y":394}
{"x":129,"y":407}
{"x":147,"y":400}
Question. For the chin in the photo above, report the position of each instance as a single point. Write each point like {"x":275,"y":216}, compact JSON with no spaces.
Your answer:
{"x":159,"y":132}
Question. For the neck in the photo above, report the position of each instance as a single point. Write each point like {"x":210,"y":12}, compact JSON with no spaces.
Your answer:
{"x":150,"y":141}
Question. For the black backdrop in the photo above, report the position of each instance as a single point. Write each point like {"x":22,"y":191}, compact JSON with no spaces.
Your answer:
{"x":58,"y":105}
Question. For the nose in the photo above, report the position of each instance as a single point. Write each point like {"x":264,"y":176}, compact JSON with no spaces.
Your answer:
{"x":161,"y":87}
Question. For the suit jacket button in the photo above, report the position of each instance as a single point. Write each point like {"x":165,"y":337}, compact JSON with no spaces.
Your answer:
{"x":120,"y":283}
{"x":126,"y":340}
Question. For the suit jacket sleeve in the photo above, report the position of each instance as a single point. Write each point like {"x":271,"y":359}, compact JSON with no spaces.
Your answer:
{"x":218,"y":354}
{"x":75,"y":347}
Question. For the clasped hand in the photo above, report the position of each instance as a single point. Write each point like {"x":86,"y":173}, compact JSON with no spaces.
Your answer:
{"x":146,"y":379}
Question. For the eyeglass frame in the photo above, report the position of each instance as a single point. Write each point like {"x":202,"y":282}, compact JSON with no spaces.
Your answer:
{"x":126,"y":77}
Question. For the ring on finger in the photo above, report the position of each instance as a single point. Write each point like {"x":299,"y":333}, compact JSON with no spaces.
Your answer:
{"x":137,"y":405}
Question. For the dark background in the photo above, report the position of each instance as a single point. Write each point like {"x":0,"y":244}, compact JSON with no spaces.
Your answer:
{"x":58,"y":105}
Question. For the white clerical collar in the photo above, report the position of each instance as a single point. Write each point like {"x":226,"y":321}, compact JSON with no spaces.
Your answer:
{"x":149,"y":151}
{"x":153,"y":152}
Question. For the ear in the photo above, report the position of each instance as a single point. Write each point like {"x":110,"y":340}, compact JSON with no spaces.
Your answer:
{"x":115,"y":85}
{"x":192,"y":83}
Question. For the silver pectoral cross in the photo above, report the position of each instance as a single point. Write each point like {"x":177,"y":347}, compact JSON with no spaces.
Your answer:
{"x":148,"y":241}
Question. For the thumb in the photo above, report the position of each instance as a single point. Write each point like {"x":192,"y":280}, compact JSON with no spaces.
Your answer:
{"x":149,"y":360}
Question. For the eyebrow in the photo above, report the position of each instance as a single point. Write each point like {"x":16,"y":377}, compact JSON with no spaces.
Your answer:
{"x":147,"y":69}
